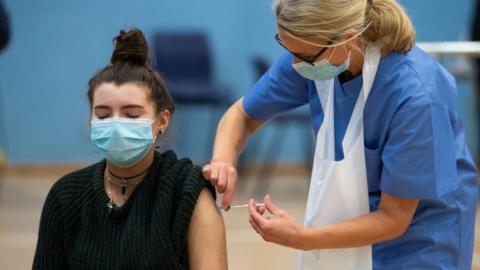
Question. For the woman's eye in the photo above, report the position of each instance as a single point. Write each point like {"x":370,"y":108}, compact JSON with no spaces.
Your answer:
{"x":132,"y":116}
{"x":102,"y":116}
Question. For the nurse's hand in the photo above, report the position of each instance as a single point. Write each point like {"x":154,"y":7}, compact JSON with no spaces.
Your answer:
{"x":279,"y":227}
{"x":223,"y":176}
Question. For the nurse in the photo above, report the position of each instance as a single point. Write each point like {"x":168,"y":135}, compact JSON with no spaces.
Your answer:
{"x":393,"y":184}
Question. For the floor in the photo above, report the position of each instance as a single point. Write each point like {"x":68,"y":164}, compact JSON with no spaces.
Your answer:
{"x":22,"y":193}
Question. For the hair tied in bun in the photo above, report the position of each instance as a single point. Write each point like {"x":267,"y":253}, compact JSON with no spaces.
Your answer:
{"x":130,"y":48}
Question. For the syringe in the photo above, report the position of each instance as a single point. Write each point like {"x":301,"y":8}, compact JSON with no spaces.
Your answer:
{"x":241,"y":205}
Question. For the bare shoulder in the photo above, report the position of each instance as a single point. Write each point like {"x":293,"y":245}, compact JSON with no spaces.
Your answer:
{"x":206,"y":236}
{"x":206,"y":211}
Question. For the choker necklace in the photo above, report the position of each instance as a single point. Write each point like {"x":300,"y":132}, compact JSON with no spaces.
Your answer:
{"x":110,"y":203}
{"x":124,"y":179}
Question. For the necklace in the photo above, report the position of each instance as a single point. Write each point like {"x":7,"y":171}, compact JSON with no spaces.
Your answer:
{"x":123,"y":179}
{"x":110,"y":203}
{"x":123,"y":185}
{"x":108,"y":175}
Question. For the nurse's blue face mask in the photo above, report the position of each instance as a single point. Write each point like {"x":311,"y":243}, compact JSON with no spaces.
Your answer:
{"x":123,"y":141}
{"x":322,"y":70}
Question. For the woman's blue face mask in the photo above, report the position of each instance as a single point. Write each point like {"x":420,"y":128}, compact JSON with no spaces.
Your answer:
{"x":322,"y":70}
{"x":123,"y":141}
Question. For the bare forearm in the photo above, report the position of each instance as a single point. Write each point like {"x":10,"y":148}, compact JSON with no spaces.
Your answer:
{"x":390,"y":221}
{"x":233,"y":131}
{"x":365,"y":230}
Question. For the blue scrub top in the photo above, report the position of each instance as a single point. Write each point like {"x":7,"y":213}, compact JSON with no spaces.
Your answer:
{"x":414,"y":148}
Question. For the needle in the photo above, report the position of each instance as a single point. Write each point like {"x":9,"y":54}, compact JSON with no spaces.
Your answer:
{"x":242,"y":205}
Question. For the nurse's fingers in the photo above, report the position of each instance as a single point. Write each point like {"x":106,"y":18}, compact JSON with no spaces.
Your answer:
{"x":271,"y":207}
{"x":258,"y":219}
{"x":206,"y":170}
{"x":261,"y":210}
{"x":255,"y":227}
{"x":230,"y":188}
{"x":214,"y":174}
{"x":222,"y":179}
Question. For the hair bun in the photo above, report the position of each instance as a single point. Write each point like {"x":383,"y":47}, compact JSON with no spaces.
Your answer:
{"x":130,"y":47}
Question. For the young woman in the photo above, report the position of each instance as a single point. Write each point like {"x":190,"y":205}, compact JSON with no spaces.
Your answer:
{"x":137,"y":209}
{"x":391,"y":166}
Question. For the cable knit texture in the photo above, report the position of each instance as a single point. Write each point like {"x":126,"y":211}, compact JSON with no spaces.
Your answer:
{"x":148,"y":232}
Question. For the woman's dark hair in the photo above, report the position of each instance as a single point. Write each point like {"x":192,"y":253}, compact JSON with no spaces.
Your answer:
{"x":130,"y":64}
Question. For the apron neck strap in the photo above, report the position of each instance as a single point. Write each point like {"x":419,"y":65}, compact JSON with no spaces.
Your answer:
{"x":370,"y":66}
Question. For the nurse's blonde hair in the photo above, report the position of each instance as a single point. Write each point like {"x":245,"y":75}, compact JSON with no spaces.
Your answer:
{"x":329,"y":20}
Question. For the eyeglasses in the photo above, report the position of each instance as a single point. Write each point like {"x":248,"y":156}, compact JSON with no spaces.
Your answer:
{"x":311,"y":60}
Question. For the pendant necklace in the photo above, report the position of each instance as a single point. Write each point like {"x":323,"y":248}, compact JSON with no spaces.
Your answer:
{"x":123,"y":185}
{"x":124,"y":180}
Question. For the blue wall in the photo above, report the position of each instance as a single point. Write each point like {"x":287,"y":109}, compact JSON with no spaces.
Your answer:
{"x":57,"y":45}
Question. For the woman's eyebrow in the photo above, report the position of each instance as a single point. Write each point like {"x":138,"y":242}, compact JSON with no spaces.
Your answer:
{"x":100,"y":107}
{"x":133,"y":106}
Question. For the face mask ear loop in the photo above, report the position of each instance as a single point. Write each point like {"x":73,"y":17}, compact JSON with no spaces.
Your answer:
{"x":347,"y":51}
{"x":161,"y":131}
{"x":333,"y":51}
{"x":156,"y":118}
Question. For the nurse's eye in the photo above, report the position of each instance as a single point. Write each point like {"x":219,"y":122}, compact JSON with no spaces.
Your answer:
{"x":309,"y":58}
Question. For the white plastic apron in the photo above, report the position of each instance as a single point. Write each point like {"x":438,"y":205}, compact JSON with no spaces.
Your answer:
{"x":339,"y":189}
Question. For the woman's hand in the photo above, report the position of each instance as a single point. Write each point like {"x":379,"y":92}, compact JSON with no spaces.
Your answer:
{"x":279,"y":228}
{"x":223,"y":175}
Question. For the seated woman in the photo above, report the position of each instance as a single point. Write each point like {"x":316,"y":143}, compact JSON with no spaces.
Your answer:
{"x":137,"y":209}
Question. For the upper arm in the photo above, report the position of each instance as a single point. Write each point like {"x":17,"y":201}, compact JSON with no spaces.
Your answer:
{"x":400,"y":211}
{"x":251,"y":123}
{"x":206,"y":236}
{"x":419,"y":160}
{"x":280,"y":89}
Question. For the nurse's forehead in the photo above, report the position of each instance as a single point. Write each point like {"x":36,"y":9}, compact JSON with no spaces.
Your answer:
{"x":127,"y":92}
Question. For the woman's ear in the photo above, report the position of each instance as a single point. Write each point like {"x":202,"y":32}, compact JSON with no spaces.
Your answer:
{"x":162,"y":123}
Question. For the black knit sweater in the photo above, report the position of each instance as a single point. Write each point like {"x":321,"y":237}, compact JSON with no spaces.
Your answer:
{"x":148,"y":232}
